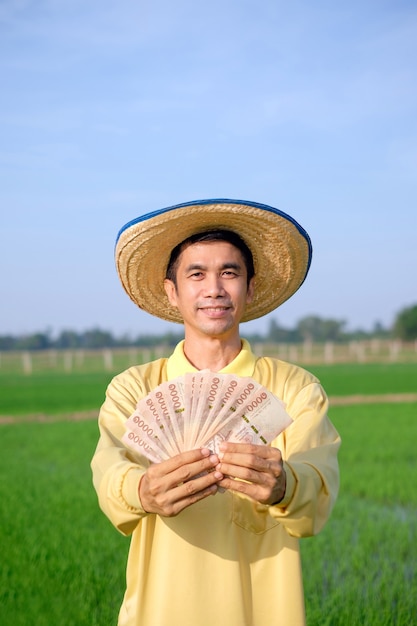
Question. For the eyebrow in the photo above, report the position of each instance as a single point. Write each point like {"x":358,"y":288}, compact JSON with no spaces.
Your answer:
{"x":225,"y":266}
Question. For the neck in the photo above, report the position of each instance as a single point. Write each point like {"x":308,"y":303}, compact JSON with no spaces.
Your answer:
{"x":211,"y":353}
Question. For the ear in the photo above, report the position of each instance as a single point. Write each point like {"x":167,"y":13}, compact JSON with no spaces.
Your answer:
{"x":251,"y":291}
{"x":171,"y":291}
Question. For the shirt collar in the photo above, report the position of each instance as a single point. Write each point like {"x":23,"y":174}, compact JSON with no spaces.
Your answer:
{"x":242,"y":365}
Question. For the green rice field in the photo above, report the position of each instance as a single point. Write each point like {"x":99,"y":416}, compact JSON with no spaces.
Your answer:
{"x":63,"y":564}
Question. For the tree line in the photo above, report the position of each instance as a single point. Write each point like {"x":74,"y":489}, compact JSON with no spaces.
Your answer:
{"x":310,"y":328}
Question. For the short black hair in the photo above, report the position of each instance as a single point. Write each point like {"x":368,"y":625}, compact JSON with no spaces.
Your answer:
{"x":217,"y":234}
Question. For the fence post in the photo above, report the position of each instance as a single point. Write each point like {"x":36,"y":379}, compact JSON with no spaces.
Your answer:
{"x":133,"y":356}
{"x":282,"y":351}
{"x":328,"y":352}
{"x":27,"y":363}
{"x":293,"y":354}
{"x":108,"y":359}
{"x":307,"y":350}
{"x":68,"y":361}
{"x":258,"y":349}
{"x":160,"y":351}
{"x":394,"y":350}
{"x":145,"y":355}
{"x":79,"y":357}
{"x":53,"y":358}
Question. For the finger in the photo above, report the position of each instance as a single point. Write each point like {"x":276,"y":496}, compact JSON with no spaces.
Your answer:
{"x":192,"y":487}
{"x":168,"y":494}
{"x":170,"y":465}
{"x":249,"y":448}
{"x":231,"y":462}
{"x":162,"y":477}
{"x":191,"y":471}
{"x":191,"y":492}
{"x":264,"y":492}
{"x":242,"y":473}
{"x":253,"y":490}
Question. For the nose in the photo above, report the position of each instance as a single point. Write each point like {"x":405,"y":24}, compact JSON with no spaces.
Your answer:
{"x":214,"y":286}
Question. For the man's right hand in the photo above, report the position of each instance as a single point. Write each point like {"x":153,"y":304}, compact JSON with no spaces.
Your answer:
{"x":170,"y":486}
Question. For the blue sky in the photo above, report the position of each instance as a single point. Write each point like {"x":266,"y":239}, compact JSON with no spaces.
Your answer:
{"x":110,"y":109}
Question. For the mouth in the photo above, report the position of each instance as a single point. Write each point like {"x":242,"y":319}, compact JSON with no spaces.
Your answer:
{"x":215,"y":311}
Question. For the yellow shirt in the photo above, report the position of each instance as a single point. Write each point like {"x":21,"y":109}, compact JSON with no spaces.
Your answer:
{"x":226,"y":560}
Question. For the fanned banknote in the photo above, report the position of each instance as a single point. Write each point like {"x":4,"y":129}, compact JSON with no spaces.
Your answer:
{"x":203,"y":409}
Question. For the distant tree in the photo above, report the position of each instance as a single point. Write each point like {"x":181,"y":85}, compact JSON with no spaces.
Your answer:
{"x":278,"y":334}
{"x":68,"y":339}
{"x":7,"y":342}
{"x":255,"y":338}
{"x":168,"y":339}
{"x":310,"y":328}
{"x":357,"y":335}
{"x":313,"y":328}
{"x":379,"y":332}
{"x":37,"y":341}
{"x":96,"y":338}
{"x":333,"y":329}
{"x":405,"y":325}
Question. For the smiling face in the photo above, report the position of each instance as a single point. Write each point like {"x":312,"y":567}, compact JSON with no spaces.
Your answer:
{"x":211,"y":289}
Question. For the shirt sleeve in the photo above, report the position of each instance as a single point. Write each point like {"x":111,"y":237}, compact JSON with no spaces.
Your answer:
{"x":309,"y":449}
{"x":116,"y":470}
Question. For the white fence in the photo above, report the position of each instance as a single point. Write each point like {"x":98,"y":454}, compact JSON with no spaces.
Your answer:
{"x":114,"y":360}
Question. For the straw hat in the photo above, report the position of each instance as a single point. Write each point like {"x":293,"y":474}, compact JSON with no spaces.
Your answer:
{"x":281,"y":251}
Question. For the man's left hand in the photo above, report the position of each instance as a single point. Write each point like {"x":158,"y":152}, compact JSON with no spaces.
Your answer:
{"x":256,"y":471}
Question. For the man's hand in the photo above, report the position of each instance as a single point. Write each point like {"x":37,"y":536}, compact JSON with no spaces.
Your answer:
{"x":258,"y":470}
{"x":170,"y":486}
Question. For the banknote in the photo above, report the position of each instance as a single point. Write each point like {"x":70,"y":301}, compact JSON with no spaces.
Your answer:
{"x":203,"y":409}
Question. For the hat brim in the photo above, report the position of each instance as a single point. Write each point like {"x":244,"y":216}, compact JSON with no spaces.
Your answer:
{"x":281,"y":251}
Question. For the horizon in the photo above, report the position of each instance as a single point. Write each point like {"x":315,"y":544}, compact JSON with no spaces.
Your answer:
{"x":177,"y":329}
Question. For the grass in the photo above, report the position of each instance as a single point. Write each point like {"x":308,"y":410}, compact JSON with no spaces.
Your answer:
{"x":63,"y":563}
{"x":51,"y":393}
{"x":55,"y":392}
{"x":362,"y":569}
{"x":367,"y":378}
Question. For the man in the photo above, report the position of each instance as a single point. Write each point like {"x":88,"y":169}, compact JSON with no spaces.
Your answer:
{"x":215,"y":537}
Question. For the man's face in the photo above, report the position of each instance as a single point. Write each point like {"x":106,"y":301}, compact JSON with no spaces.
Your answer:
{"x":211,"y":291}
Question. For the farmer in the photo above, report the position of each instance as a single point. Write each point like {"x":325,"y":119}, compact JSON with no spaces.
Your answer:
{"x":215,"y":537}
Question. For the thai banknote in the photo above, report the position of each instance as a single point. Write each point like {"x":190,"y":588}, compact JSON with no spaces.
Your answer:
{"x":202,"y":409}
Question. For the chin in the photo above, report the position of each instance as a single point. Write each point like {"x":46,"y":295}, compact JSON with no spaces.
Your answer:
{"x":219,"y":329}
